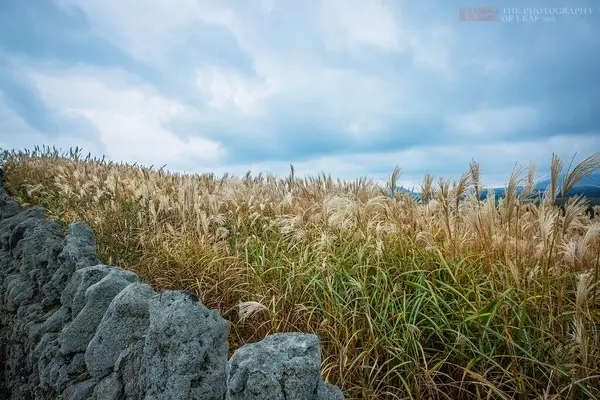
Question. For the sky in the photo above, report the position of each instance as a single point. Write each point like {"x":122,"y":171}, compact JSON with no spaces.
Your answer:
{"x":347,"y":87}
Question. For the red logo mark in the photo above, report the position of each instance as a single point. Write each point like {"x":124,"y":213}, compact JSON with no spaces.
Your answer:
{"x":478,"y":14}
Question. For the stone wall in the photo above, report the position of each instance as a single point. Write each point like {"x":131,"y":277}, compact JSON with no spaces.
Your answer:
{"x":72,"y":328}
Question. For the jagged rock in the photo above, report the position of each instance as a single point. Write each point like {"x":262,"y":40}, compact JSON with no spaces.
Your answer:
{"x":79,"y":333}
{"x":186,"y":347}
{"x":131,"y":370}
{"x":46,"y":352}
{"x":19,"y":225}
{"x":77,"y":365}
{"x":38,"y":251}
{"x":284,"y":366}
{"x":79,"y":391}
{"x":18,"y":291}
{"x":79,"y":251}
{"x":125,"y":321}
{"x":34,"y":325}
{"x":109,"y":388}
{"x":57,"y":320}
{"x":8,"y":207}
{"x":74,"y":294}
{"x":56,"y":370}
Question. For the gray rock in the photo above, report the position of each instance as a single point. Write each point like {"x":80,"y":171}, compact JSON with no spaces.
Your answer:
{"x":36,"y":253}
{"x":74,"y":294}
{"x":78,"y":334}
{"x":132,"y":371}
{"x":8,"y":207}
{"x":327,"y":391}
{"x":77,"y":365}
{"x":17,"y":359}
{"x":284,"y":366}
{"x":79,"y":252}
{"x":20,"y":225}
{"x":19,"y":291}
{"x":49,"y":360}
{"x":19,"y":391}
{"x":57,"y":371}
{"x":57,"y":320}
{"x":34,"y":326}
{"x":125,"y":321}
{"x":109,"y":388}
{"x":79,"y":391}
{"x":186,"y":347}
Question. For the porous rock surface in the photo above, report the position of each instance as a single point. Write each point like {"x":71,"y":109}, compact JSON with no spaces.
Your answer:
{"x":72,"y":328}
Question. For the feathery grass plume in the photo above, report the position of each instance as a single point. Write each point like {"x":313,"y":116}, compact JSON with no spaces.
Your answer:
{"x":530,"y":184}
{"x":476,"y":177}
{"x":510,"y":196}
{"x":459,"y":188}
{"x":582,"y":170}
{"x":427,"y":188}
{"x":247,"y":309}
{"x":575,"y":208}
{"x":392,"y":183}
{"x":443,"y":196}
{"x":586,"y":243}
{"x":291,"y":178}
{"x":582,"y":293}
{"x":556,"y":166}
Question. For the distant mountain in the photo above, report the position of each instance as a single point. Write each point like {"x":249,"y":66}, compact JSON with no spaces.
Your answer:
{"x":413,"y":194}
{"x":588,"y":187}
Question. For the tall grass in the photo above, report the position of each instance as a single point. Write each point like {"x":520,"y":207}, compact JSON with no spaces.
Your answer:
{"x":447,"y":298}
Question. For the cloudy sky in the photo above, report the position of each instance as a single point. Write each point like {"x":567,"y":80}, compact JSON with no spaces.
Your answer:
{"x":348,"y":87}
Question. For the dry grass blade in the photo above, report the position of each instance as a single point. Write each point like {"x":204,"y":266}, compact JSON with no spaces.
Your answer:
{"x":392,"y":182}
{"x":246,"y":309}
{"x":582,"y":170}
{"x":556,"y":166}
{"x":427,"y":188}
{"x":476,"y":177}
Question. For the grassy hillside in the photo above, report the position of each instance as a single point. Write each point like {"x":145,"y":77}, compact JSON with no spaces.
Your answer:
{"x":450,"y":298}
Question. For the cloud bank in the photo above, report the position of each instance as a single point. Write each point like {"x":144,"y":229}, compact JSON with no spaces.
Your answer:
{"x":348,"y":87}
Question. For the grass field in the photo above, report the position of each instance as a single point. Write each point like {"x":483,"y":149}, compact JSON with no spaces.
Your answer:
{"x":446,"y":299}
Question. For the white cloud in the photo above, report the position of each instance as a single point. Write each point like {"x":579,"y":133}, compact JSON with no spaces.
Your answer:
{"x":505,"y":121}
{"x":130,"y":119}
{"x":147,"y":29}
{"x":283,"y":71}
{"x":267,"y":5}
{"x":432,"y":48}
{"x":351,"y":23}
{"x":227,"y":87}
{"x":492,"y":66}
{"x":349,"y":26}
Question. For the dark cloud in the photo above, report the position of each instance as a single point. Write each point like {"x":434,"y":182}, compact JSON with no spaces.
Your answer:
{"x":549,"y":68}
